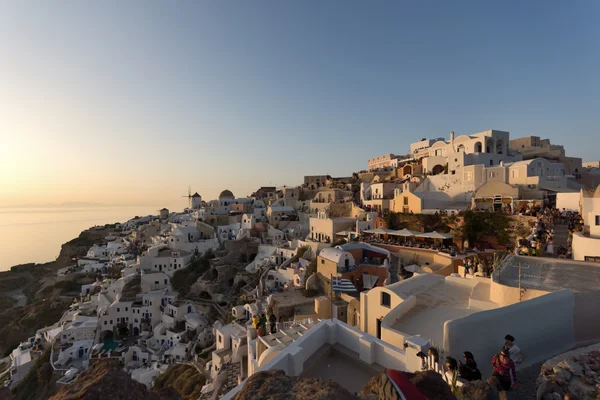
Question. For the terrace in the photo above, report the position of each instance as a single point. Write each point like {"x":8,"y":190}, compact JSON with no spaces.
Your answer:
{"x":341,"y":365}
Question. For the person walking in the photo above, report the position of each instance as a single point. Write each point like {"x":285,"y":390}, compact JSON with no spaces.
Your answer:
{"x":504,"y":371}
{"x":514,"y":351}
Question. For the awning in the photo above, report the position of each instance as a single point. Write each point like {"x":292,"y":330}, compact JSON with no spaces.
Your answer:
{"x":403,"y":232}
{"x":380,"y":231}
{"x":369,"y":281}
{"x":435,"y":235}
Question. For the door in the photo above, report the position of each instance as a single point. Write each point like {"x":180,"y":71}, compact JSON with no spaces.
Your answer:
{"x":378,"y":328}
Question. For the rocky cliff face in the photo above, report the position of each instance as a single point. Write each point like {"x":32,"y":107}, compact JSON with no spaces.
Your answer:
{"x":105,"y":380}
{"x":275,"y":385}
{"x":576,"y":372}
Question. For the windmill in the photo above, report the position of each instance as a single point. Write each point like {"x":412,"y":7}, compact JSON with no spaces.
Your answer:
{"x":189,"y":196}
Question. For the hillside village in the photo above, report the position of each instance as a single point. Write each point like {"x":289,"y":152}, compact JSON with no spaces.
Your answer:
{"x":452,"y":246}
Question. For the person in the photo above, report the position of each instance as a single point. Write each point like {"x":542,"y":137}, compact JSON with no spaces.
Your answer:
{"x":273,"y":323}
{"x":451,"y":375}
{"x":514,"y":351}
{"x":423,"y":357}
{"x":262,"y":322}
{"x":434,"y":357}
{"x":255,"y":321}
{"x":468,"y":370}
{"x":504,"y":371}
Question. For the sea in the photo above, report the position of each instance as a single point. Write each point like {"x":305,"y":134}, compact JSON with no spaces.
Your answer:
{"x":36,"y":234}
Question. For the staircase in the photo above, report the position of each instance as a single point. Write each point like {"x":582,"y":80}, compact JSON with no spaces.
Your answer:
{"x":228,"y":375}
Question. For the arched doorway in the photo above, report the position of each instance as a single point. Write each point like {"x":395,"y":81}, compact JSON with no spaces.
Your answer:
{"x":478,"y":147}
{"x":407,"y":170}
{"x":438,"y":169}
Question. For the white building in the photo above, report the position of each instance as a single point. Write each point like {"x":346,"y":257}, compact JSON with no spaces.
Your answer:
{"x":169,"y":261}
{"x":586,"y":245}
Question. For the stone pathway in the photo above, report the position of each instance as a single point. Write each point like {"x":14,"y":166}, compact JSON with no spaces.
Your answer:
{"x":527,"y":377}
{"x":561,"y":235}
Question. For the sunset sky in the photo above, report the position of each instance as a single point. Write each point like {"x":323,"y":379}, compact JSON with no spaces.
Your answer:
{"x":131,"y":102}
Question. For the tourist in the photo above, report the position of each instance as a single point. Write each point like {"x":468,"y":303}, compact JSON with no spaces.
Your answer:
{"x":423,"y":357}
{"x":434,"y":358}
{"x":468,"y":370}
{"x":262,"y":322}
{"x":273,"y":323}
{"x":451,"y":374}
{"x":504,"y":374}
{"x":514,"y":352}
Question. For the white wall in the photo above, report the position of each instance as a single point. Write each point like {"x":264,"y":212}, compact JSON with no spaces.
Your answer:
{"x":585,"y":246}
{"x":568,"y":201}
{"x":542,"y":327}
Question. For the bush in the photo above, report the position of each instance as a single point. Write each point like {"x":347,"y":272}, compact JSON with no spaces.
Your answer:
{"x":479,"y":224}
{"x":183,"y":379}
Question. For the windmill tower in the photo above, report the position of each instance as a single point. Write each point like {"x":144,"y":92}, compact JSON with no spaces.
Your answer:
{"x":189,"y":196}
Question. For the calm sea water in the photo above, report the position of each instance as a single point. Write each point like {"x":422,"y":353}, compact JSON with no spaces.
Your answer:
{"x":36,"y":234}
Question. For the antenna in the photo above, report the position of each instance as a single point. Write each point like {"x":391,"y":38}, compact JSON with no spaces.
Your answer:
{"x":189,"y":196}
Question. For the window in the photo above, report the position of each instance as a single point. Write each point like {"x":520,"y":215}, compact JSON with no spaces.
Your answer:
{"x":220,"y":339}
{"x":592,"y":259}
{"x":385,"y":299}
{"x":126,"y":309}
{"x":105,"y":322}
{"x":453,"y":172}
{"x":118,"y":310}
{"x":492,"y":174}
{"x":156,"y":282}
{"x":597,"y":220}
{"x":491,"y":162}
{"x":406,"y":201}
{"x":322,"y":261}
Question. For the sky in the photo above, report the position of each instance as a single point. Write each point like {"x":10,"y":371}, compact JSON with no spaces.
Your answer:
{"x":132,"y":102}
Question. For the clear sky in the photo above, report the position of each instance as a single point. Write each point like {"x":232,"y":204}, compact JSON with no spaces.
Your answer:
{"x":131,"y":102}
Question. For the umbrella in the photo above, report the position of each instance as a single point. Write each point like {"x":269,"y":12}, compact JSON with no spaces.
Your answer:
{"x":436,"y":235}
{"x":379,"y":231}
{"x":403,"y":232}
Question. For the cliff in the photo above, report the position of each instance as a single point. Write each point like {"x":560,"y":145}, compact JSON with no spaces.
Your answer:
{"x":105,"y":380}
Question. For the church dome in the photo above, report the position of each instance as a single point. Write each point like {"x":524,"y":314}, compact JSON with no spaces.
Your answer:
{"x":226,"y":194}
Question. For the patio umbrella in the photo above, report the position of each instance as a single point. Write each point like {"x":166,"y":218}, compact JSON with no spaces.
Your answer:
{"x":436,"y":235}
{"x":404,"y":232}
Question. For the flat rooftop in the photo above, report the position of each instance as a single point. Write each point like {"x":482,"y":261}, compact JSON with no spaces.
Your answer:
{"x":341,"y":365}
{"x":292,"y":297}
{"x":549,"y":274}
{"x":443,"y":302}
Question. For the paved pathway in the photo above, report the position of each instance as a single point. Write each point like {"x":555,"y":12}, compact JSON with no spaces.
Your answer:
{"x":561,"y":235}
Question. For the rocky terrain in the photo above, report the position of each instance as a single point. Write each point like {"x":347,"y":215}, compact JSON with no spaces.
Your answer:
{"x":575,"y":373}
{"x":106,"y":380}
{"x":183,"y":380}
{"x":275,"y":385}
